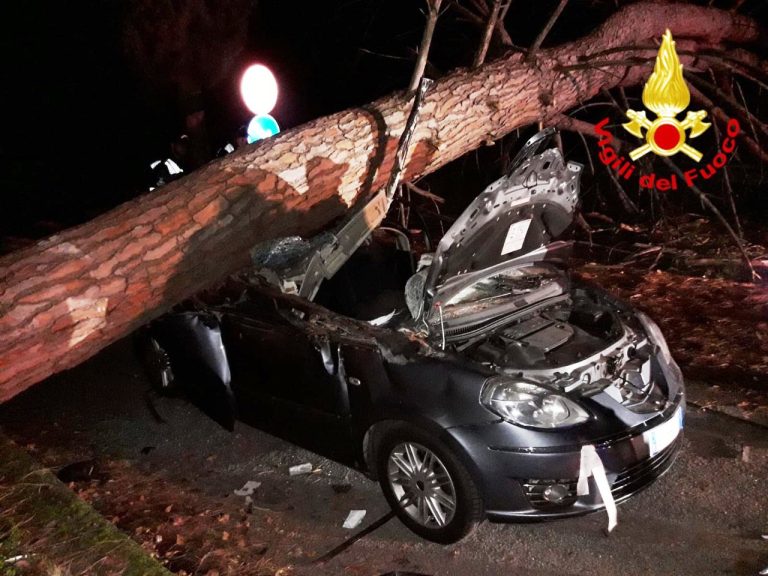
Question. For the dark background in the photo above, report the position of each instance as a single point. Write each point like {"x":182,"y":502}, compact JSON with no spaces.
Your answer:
{"x":81,"y":125}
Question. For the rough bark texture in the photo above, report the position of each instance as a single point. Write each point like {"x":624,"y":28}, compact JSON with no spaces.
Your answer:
{"x":70,"y":295}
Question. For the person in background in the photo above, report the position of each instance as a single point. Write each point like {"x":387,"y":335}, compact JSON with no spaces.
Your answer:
{"x":168,"y":169}
{"x":241,"y":139}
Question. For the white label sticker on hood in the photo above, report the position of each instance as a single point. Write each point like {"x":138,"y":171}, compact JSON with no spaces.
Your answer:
{"x":515,"y":236}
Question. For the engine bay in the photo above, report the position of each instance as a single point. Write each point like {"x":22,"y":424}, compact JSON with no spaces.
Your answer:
{"x":549,"y":337}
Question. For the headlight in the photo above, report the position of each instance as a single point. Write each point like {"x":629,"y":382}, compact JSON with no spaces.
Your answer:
{"x":530,"y":405}
{"x":656,"y":337}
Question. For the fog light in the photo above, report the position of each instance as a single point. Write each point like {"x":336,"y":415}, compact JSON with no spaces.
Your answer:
{"x":556,"y":493}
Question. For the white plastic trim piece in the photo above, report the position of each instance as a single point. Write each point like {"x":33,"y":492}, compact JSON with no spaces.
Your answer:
{"x":248,"y":488}
{"x":354,"y":519}
{"x":591,"y":465}
{"x":299,"y":469}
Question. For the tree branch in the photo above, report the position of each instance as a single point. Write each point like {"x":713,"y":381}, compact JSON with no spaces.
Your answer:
{"x":543,"y":34}
{"x":720,"y":114}
{"x":490,"y":26}
{"x":716,"y":211}
{"x":433,"y":10}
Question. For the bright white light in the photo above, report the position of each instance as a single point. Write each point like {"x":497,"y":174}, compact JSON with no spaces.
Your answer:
{"x":262,"y":126}
{"x":258,"y":88}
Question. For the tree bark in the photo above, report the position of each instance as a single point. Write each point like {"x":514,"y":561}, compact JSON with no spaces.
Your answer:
{"x":66,"y":297}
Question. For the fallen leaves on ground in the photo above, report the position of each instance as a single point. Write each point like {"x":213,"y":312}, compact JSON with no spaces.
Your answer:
{"x":180,"y":527}
{"x":716,"y":328}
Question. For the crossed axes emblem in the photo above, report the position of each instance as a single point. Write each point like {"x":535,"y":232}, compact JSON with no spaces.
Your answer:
{"x":666,"y":135}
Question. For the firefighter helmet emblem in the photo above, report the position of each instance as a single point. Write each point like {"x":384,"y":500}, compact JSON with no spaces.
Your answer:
{"x":666,"y":94}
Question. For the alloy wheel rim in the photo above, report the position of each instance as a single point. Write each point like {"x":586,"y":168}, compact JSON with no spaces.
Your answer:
{"x":421,"y":484}
{"x":162,"y":364}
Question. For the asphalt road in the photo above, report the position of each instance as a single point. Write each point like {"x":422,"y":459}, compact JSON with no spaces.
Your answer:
{"x":706,"y":516}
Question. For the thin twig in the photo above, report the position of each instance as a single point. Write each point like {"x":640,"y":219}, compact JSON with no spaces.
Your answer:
{"x":727,"y":180}
{"x":718,"y":113}
{"x":501,"y":28}
{"x":750,"y":116}
{"x":742,"y":110}
{"x":426,"y":194}
{"x":485,"y":41}
{"x":581,"y":127}
{"x":433,"y":10}
{"x":586,"y":149}
{"x":626,"y":201}
{"x":715,"y":210}
{"x":736,"y":69}
{"x":543,"y":34}
{"x":481,"y":7}
{"x":468,"y":14}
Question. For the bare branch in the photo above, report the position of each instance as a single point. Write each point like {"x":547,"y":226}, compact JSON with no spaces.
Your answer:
{"x":716,"y":211}
{"x":468,"y":14}
{"x":543,"y":34}
{"x":490,"y":26}
{"x":426,"y":40}
{"x":480,"y":18}
{"x":501,"y":28}
{"x":481,"y":7}
{"x":580,"y":127}
{"x":720,"y":114}
{"x":729,"y":188}
{"x":425,"y":193}
{"x":741,"y":110}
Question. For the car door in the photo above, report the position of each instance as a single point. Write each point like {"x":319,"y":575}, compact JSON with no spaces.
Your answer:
{"x":286,"y":371}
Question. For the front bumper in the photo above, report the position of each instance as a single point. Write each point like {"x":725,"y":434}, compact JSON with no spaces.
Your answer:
{"x":512,"y":478}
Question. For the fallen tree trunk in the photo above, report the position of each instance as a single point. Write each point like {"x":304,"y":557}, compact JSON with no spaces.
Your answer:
{"x":70,"y":295}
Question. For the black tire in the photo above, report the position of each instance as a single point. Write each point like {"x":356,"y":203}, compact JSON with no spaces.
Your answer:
{"x":468,"y":511}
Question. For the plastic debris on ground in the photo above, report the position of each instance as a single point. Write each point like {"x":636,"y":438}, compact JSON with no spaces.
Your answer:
{"x":305,"y":468}
{"x":248,"y":488}
{"x":354,"y":518}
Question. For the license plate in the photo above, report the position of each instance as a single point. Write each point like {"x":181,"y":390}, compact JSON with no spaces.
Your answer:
{"x":664,"y":434}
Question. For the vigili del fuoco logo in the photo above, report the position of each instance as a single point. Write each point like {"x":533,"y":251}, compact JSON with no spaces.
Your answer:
{"x":666,"y":95}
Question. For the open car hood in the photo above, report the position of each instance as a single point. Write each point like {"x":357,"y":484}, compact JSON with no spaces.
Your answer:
{"x":514,"y":220}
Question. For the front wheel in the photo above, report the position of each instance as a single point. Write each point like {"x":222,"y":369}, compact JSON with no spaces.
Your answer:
{"x":427,"y":486}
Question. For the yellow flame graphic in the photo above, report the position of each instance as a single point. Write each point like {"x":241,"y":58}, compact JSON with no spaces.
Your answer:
{"x":665,"y":92}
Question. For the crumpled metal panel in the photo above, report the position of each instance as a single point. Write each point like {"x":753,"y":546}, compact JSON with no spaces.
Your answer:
{"x":541,"y":193}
